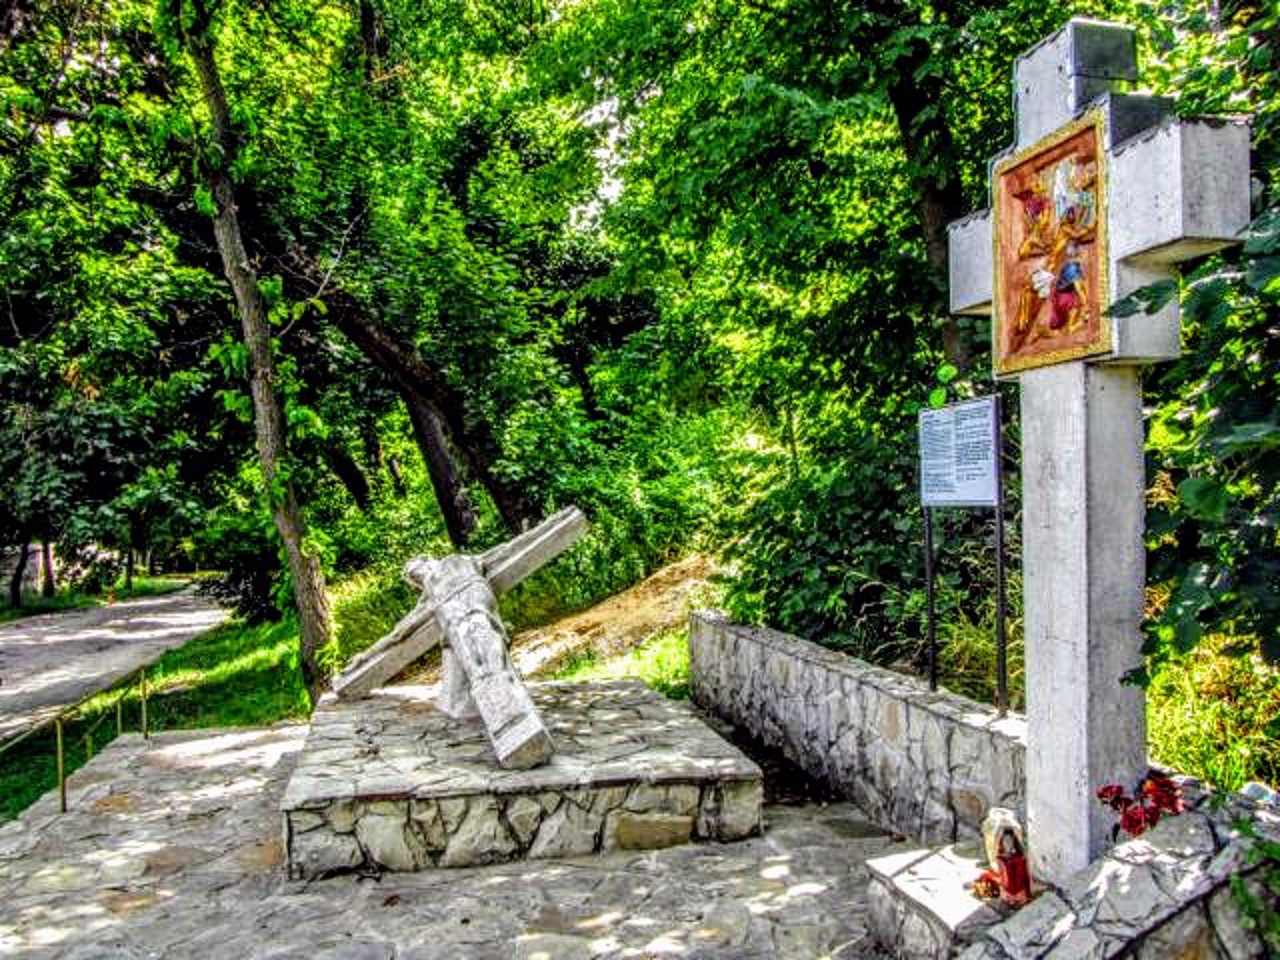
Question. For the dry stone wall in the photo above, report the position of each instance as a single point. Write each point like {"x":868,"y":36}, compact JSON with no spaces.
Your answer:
{"x":925,"y":764}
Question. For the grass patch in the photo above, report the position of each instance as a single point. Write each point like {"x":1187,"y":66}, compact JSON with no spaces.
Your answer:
{"x":34,"y":604}
{"x":662,"y":662}
{"x":365,"y":607}
{"x":234,"y":675}
{"x":967,"y":660}
{"x":151,"y":587}
{"x":1216,"y":715}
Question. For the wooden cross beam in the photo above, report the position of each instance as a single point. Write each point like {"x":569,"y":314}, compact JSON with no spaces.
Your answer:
{"x":420,"y":630}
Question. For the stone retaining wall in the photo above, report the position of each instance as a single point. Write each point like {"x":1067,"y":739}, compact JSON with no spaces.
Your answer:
{"x":928,"y":765}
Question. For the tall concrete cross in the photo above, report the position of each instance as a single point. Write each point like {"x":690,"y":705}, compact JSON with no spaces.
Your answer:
{"x":1102,"y":193}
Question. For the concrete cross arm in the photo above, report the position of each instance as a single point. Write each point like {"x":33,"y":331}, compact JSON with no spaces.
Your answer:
{"x":1175,"y":194}
{"x":971,"y":264}
{"x":418,"y":632}
{"x":1172,"y":195}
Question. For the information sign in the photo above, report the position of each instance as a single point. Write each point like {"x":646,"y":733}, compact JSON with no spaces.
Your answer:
{"x":958,"y":462}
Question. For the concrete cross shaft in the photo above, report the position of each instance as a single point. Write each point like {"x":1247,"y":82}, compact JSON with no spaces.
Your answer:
{"x":458,"y":608}
{"x":1166,"y":189}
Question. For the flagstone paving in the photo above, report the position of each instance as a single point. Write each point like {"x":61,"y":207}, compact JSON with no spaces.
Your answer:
{"x":51,"y":662}
{"x":172,"y":848}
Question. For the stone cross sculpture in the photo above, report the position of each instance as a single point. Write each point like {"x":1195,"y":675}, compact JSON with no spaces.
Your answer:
{"x":458,"y":608}
{"x":1102,"y":193}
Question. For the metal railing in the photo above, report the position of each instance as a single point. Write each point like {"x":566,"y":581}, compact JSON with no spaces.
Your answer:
{"x":121,"y":688}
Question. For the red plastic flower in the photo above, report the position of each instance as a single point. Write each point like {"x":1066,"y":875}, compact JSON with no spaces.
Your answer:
{"x":1134,"y":820}
{"x":1157,"y":794}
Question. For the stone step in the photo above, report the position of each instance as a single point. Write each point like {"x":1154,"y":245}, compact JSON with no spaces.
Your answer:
{"x":392,"y":783}
{"x":919,"y":907}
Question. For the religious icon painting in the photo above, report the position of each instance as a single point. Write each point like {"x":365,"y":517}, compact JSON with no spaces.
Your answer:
{"x":1051,"y":250}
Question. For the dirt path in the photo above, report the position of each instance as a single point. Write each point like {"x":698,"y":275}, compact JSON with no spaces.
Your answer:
{"x":657,"y":603}
{"x":50,"y":662}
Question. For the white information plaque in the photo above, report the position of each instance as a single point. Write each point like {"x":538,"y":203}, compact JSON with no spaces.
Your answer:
{"x":958,"y":460}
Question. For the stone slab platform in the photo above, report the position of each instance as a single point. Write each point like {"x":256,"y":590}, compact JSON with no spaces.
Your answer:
{"x":391,"y":783}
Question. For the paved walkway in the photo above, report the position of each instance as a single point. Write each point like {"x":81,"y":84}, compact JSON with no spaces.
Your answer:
{"x":172,"y":849}
{"x":51,"y":661}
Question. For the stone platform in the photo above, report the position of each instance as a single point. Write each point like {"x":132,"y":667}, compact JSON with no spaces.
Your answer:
{"x":391,"y":783}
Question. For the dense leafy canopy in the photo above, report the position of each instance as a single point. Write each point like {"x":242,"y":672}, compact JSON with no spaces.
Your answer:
{"x":682,"y":264}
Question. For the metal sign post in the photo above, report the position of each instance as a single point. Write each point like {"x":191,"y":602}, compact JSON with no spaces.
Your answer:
{"x":960,"y":447}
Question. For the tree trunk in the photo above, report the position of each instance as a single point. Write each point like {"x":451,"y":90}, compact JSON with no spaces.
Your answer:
{"x":48,"y":582}
{"x":308,"y":578}
{"x":397,"y":481}
{"x":929,"y":148}
{"x":131,"y":554}
{"x":451,"y":495}
{"x":470,"y":435}
{"x":349,"y":473}
{"x":15,"y":582}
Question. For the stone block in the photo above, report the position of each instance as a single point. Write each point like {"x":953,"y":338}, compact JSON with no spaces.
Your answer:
{"x":523,"y":814}
{"x":388,"y":842}
{"x":319,"y":853}
{"x":1062,"y":73}
{"x":570,"y":831}
{"x":438,"y":800}
{"x":481,"y":837}
{"x":970,"y":264}
{"x":920,"y":908}
{"x":647,"y":831}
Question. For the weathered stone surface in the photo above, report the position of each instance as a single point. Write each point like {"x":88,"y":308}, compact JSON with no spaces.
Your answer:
{"x":480,"y":837}
{"x":924,"y":763}
{"x":524,"y":814}
{"x":386,"y":838}
{"x":799,"y":893}
{"x":919,"y":905}
{"x":568,"y":832}
{"x":432,"y":796}
{"x":320,"y":852}
{"x":1165,"y":893}
{"x":648,"y":831}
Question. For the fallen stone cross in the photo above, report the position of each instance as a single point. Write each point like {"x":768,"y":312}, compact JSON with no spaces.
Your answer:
{"x":458,"y":608}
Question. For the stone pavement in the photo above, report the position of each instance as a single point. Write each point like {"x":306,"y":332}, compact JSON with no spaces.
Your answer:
{"x":49,"y":662}
{"x":172,"y":849}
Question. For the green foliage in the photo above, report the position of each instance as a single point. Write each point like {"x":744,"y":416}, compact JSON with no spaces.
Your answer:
{"x":967,"y":657}
{"x":662,"y":662}
{"x":365,"y":608}
{"x":680,"y":261}
{"x":1214,"y":440}
{"x":1257,"y":890}
{"x":1216,"y":714}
